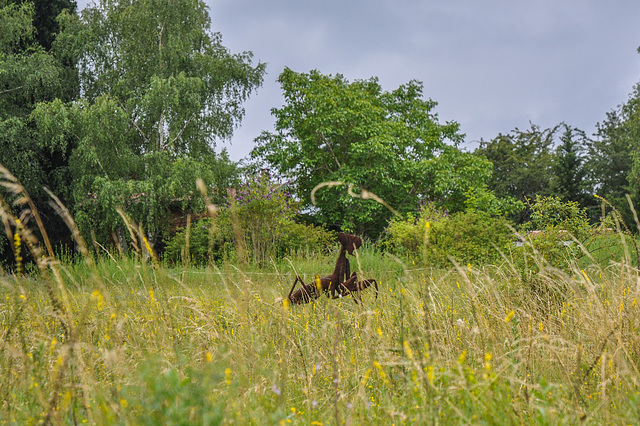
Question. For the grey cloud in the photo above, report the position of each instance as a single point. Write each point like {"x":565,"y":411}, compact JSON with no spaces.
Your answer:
{"x":492,"y":65}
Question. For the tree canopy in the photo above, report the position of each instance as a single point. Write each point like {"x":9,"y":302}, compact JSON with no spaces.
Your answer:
{"x":568,"y":169}
{"x":30,"y":74}
{"x":388,"y":143}
{"x":159,"y":89}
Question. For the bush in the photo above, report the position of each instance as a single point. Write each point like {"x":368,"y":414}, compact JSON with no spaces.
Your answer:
{"x":468,"y":237}
{"x":554,"y":224}
{"x":262,"y":208}
{"x":207,"y":244}
{"x":434,"y":238}
{"x":406,"y":237}
{"x":300,"y":238}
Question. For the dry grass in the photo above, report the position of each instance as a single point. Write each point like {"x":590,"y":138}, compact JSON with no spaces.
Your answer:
{"x":129,"y":341}
{"x":152,"y":345}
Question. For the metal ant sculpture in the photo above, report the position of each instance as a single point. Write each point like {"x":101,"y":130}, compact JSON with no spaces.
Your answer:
{"x":340,"y":283}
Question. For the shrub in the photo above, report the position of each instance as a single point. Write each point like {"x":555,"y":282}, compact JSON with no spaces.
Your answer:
{"x":304,"y":239}
{"x":556,"y":224}
{"x":469,"y":237}
{"x":207,"y":244}
{"x":435,"y":238}
{"x":262,"y":208}
{"x":405,"y":236}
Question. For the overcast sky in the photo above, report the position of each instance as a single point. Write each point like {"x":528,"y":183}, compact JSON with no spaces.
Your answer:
{"x":491,"y":65}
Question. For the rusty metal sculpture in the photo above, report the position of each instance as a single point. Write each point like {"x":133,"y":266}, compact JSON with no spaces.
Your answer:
{"x":340,"y":283}
{"x":308,"y":292}
{"x":354,"y":287}
{"x":342,"y":271}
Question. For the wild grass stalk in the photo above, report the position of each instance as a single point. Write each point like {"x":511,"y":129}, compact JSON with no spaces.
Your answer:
{"x":134,"y":341}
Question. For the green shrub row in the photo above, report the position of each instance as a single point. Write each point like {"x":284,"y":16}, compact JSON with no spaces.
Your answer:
{"x":555,"y":237}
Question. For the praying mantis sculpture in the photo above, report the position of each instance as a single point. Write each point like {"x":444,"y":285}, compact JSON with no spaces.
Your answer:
{"x":340,"y":283}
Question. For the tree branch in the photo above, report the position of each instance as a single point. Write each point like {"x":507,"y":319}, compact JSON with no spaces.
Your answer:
{"x":11,"y":90}
{"x":183,"y":127}
{"x":330,"y":149}
{"x":146,"y":139}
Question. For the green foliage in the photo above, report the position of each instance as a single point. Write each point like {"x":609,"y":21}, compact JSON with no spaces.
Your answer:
{"x":482,"y":199}
{"x":45,"y":18}
{"x":526,"y":165}
{"x":613,"y":163}
{"x":158,"y":90}
{"x":214,"y":243}
{"x":569,"y":173}
{"x":262,"y":207}
{"x":521,"y":164}
{"x":178,"y":85}
{"x":175,"y":397}
{"x":388,"y":143}
{"x":16,"y":24}
{"x":260,"y":214}
{"x":406,"y":236}
{"x":29,"y":75}
{"x":555,"y":224}
{"x":610,"y":156}
{"x":435,"y":238}
{"x":551,"y":213}
{"x":305,"y":240}
{"x":209,"y":243}
{"x":468,"y":237}
{"x":170,"y":186}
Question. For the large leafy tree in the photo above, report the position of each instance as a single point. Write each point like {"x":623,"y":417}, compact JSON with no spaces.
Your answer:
{"x":31,"y":73}
{"x":45,"y":18}
{"x":522,"y":164}
{"x":28,"y":75}
{"x":159,"y":89}
{"x":388,"y":143}
{"x":613,"y":156}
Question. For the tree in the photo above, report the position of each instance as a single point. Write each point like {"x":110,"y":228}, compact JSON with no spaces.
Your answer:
{"x":568,"y":167}
{"x":159,"y":89}
{"x":613,"y":164}
{"x":521,"y":164}
{"x":388,"y":143}
{"x":45,"y":18}
{"x":30,"y":74}
{"x":611,"y":161}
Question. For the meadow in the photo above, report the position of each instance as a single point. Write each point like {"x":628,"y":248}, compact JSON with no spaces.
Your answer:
{"x":120,"y":340}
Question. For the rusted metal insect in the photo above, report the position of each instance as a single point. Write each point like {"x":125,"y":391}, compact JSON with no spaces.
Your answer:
{"x":342,"y":271}
{"x":354,"y":287}
{"x":340,"y":283}
{"x":308,"y":292}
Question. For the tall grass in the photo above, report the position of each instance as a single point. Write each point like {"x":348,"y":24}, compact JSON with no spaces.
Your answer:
{"x":154,"y":345}
{"x":121,"y":340}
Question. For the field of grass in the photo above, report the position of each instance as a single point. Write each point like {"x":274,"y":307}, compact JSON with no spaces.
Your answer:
{"x":124,"y":342}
